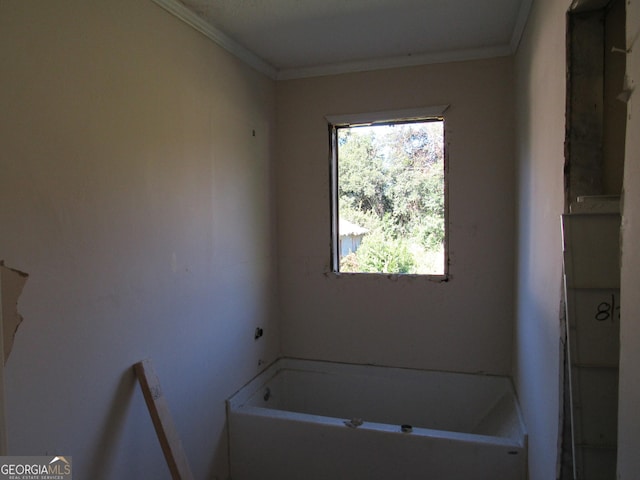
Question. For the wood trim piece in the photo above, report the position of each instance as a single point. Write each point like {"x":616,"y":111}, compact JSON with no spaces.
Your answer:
{"x":162,"y":422}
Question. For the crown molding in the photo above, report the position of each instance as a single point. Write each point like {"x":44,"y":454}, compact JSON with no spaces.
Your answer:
{"x":183,"y":13}
{"x":395,"y":62}
{"x":521,"y":23}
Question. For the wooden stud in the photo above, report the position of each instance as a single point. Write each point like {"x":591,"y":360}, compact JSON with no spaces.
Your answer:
{"x":161,"y":418}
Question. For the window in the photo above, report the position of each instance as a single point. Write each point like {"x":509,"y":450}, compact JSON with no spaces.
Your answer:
{"x":389,"y":193}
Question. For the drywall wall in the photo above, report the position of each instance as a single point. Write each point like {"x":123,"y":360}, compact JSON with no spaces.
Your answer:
{"x":540,"y":98}
{"x":136,"y":191}
{"x":629,"y":389}
{"x":464,"y":324}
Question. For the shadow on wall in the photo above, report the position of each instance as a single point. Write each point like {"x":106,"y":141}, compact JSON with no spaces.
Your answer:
{"x":113,"y":426}
{"x":221,"y":455}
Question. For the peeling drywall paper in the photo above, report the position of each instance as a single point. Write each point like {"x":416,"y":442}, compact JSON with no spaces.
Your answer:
{"x":11,"y":284}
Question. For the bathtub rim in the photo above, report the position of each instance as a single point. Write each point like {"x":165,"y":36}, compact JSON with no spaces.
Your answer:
{"x":236,"y":403}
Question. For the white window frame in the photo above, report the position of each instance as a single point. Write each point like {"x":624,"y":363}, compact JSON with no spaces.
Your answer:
{"x":370,"y":119}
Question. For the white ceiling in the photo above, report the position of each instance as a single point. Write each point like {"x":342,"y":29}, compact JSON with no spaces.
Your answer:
{"x":296,"y":38}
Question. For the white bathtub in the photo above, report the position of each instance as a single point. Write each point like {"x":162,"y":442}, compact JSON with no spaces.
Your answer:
{"x":301,"y":420}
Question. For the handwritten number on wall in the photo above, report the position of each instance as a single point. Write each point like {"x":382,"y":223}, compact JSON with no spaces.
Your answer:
{"x":608,"y":310}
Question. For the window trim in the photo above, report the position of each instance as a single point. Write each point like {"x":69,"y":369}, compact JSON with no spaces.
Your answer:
{"x":380,"y":118}
{"x":372,"y":118}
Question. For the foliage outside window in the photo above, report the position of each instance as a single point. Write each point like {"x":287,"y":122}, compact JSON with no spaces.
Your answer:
{"x":389,"y":197}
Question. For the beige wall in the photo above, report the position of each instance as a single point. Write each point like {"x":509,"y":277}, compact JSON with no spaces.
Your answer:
{"x":629,"y":419}
{"x":540,"y":93}
{"x":464,"y":324}
{"x":134,"y":194}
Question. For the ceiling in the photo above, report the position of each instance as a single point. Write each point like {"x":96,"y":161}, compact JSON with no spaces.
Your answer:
{"x":300,"y":38}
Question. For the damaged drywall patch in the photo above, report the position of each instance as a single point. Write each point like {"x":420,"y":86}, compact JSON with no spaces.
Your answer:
{"x":12,"y":282}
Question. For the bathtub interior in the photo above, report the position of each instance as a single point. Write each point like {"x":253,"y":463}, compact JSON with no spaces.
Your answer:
{"x":453,"y":402}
